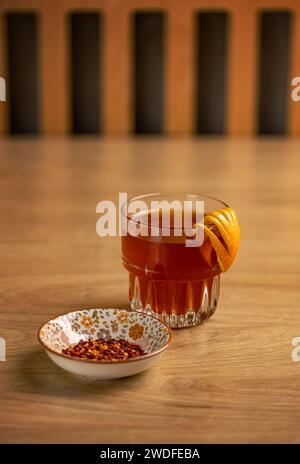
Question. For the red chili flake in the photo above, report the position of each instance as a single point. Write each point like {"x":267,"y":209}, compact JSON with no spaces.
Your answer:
{"x":104,"y":350}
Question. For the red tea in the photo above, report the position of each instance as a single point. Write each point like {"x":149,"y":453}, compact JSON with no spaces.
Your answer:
{"x":178,"y":283}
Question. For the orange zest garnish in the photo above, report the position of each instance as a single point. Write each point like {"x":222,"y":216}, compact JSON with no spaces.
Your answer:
{"x":223,"y":230}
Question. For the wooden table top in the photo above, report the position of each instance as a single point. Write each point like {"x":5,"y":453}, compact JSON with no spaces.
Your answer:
{"x":229,"y":380}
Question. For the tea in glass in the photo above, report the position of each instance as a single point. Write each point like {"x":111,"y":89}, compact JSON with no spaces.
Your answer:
{"x":177,"y":283}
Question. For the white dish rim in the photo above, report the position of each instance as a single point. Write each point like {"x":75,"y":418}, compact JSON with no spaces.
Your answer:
{"x":96,"y":361}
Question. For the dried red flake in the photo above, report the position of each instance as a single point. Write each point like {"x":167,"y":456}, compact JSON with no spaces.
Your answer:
{"x":104,"y":350}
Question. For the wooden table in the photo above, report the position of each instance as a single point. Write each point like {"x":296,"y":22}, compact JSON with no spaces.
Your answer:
{"x":230,"y":380}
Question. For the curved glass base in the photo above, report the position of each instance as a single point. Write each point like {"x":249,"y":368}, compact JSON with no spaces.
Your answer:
{"x":198,"y":300}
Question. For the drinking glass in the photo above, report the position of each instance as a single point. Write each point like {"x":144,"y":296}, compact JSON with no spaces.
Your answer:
{"x":177,"y":283}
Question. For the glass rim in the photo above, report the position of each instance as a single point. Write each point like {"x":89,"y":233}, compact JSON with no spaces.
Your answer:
{"x":199,"y":196}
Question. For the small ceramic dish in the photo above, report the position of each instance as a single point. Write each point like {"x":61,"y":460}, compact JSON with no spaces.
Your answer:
{"x":68,"y":329}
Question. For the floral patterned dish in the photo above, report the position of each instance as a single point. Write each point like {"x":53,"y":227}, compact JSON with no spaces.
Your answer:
{"x":136,"y":327}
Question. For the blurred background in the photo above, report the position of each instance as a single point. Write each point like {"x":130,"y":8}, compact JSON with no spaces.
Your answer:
{"x":141,"y":96}
{"x":149,"y":66}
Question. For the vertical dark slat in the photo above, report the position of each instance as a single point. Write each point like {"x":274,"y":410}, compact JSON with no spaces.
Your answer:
{"x":86,"y":32}
{"x":275,"y":28}
{"x":23,"y":96}
{"x":211,"y":57}
{"x":149,"y":72}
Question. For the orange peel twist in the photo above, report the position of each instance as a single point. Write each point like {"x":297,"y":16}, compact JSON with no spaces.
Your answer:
{"x":224,"y":236}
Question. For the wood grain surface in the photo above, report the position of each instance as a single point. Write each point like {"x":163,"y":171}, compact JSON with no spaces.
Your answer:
{"x":230,"y":380}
